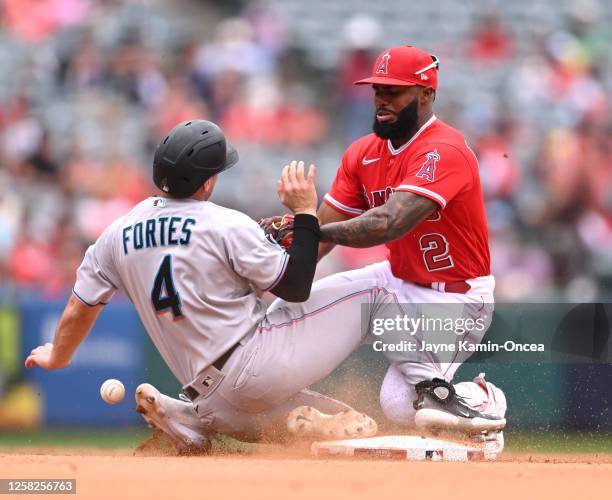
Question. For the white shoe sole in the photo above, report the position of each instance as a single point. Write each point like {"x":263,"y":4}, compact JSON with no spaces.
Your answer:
{"x":306,"y":421}
{"x":431,"y":419}
{"x":149,"y":403}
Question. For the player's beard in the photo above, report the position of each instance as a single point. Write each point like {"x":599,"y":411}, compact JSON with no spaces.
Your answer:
{"x":405,"y":124}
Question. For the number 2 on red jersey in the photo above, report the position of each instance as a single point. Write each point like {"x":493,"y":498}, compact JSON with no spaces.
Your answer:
{"x":435,"y":252}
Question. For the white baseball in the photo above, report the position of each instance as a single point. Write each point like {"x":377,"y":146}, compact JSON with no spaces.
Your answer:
{"x":112,"y":391}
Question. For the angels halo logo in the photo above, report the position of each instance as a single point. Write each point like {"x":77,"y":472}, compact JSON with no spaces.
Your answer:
{"x":428,"y":169}
{"x":383,"y":65}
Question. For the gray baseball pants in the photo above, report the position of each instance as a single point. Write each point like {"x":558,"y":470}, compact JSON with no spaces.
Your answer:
{"x":296,"y":345}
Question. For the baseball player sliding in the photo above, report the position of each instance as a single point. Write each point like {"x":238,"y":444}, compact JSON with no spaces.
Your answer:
{"x":414,"y":185}
{"x":190,"y":268}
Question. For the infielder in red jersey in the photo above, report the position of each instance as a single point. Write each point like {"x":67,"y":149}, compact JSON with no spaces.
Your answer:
{"x":435,"y":164}
{"x":414,"y":185}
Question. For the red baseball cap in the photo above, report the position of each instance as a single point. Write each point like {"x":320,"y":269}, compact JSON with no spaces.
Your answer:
{"x":405,"y":65}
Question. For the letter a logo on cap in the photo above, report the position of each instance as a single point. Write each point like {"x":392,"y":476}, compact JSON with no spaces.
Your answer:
{"x":383,"y":65}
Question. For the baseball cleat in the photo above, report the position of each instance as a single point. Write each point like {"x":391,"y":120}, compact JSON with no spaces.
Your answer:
{"x":439,"y":407}
{"x":306,"y":421}
{"x":175,"y":418}
{"x":492,"y":441}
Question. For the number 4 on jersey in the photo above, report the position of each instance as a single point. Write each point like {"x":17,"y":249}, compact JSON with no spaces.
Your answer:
{"x":163,"y":295}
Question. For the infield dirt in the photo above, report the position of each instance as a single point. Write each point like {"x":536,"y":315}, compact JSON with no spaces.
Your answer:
{"x":279,"y":473}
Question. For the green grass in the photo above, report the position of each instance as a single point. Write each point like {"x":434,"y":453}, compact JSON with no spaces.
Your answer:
{"x":520,"y":442}
{"x":75,"y":438}
{"x":559,"y":442}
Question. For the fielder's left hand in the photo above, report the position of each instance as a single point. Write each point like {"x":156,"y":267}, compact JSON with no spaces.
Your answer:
{"x":280,"y":229}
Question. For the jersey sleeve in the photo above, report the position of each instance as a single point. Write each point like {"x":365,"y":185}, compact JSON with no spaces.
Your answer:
{"x":253,"y":256}
{"x":346,"y":193}
{"x":439,"y":173}
{"x":96,"y":280}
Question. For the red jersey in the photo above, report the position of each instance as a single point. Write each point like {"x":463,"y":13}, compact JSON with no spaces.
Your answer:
{"x":452,"y":244}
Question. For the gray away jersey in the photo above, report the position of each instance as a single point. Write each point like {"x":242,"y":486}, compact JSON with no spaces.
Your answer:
{"x":187,"y":266}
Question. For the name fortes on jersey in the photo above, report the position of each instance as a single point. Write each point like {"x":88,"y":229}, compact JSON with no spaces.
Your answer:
{"x":157,"y":232}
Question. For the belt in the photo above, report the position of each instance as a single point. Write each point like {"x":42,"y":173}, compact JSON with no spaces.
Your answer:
{"x":210,"y":378}
{"x":448,"y":287}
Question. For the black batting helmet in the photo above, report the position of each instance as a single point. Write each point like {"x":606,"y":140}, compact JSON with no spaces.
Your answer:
{"x":190,"y":154}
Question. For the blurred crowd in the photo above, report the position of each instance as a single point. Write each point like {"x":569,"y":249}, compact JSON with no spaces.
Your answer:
{"x":88,"y":87}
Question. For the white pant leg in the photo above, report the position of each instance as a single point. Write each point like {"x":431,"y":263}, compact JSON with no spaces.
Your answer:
{"x":396,"y":397}
{"x":397,"y":391}
{"x":376,"y":273}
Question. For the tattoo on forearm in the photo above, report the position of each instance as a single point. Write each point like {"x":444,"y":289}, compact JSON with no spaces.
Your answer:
{"x":402,"y":212}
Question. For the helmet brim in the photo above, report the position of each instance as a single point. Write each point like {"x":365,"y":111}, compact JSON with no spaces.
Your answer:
{"x":231,"y":157}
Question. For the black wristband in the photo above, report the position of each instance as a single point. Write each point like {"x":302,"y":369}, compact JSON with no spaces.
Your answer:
{"x":307,"y":221}
{"x":296,"y":282}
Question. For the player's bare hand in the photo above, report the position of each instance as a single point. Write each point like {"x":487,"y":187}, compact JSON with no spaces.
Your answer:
{"x":297,"y":190}
{"x":43,"y":356}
